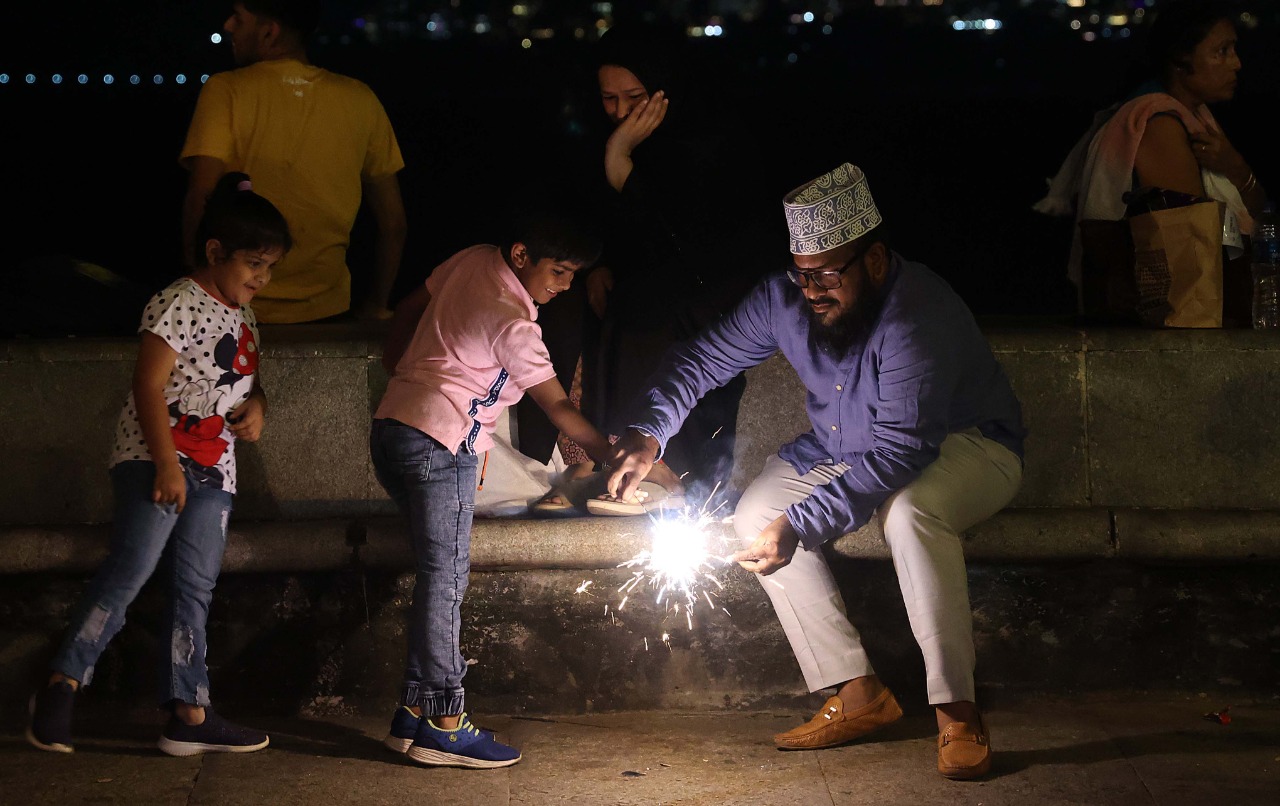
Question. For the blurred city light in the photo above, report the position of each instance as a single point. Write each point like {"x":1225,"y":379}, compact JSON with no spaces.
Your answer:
{"x":977,"y":25}
{"x":527,"y":22}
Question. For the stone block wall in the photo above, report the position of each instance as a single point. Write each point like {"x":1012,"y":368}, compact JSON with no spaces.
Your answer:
{"x":1142,"y":443}
{"x":1136,"y":553}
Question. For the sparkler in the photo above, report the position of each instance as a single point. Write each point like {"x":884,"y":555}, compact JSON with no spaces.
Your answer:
{"x":680,"y":566}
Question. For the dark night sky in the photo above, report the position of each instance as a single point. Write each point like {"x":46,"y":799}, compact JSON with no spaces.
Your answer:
{"x":956,"y":131}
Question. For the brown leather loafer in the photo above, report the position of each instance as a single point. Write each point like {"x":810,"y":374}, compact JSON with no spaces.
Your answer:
{"x":964,"y":751}
{"x":833,"y":725}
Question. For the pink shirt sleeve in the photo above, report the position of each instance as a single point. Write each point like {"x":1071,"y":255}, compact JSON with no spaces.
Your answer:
{"x":437,"y":277}
{"x":520,"y":350}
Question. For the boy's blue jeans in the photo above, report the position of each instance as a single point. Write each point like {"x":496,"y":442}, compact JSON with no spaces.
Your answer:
{"x":436,"y":490}
{"x":191,"y":544}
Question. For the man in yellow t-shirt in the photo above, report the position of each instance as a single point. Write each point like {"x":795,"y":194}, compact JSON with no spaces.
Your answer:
{"x":313,"y":142}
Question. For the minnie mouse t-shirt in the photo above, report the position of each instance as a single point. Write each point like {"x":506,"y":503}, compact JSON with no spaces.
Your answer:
{"x":217,"y":351}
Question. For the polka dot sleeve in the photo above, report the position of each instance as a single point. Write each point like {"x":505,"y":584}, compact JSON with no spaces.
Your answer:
{"x":172,"y":315}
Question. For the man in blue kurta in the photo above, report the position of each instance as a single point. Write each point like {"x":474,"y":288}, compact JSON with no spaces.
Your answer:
{"x":914,"y":422}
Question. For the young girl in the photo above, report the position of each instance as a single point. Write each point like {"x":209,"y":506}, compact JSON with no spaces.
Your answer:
{"x":462,"y":348}
{"x":173,"y":469}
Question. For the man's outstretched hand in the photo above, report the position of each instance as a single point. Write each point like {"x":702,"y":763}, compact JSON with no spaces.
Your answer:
{"x":634,"y":455}
{"x":772,"y":550}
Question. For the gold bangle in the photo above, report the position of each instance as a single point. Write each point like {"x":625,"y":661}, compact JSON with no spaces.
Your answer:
{"x":1247,"y":186}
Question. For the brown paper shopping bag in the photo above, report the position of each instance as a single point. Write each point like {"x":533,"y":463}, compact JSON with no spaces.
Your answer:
{"x":1177,"y":265}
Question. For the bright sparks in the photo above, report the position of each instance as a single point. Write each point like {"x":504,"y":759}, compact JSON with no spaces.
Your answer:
{"x":680,"y":567}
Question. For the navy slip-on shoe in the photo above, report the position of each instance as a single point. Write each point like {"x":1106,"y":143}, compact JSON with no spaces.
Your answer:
{"x":50,"y":725}
{"x":214,"y":735}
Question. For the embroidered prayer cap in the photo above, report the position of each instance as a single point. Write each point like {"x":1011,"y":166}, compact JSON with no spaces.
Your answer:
{"x":830,"y":211}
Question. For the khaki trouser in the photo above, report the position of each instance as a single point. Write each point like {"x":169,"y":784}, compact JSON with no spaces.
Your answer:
{"x":972,"y":479}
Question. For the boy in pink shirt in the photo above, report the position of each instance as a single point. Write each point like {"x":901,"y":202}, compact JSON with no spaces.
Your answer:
{"x":462,"y":348}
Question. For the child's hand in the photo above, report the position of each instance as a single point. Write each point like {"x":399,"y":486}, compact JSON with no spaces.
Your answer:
{"x":247,"y":419}
{"x":170,"y":486}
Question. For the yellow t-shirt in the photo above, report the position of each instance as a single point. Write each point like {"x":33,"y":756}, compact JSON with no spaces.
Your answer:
{"x":306,"y":137}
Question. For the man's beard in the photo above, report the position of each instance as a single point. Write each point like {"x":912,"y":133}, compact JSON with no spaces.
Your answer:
{"x":850,"y":327}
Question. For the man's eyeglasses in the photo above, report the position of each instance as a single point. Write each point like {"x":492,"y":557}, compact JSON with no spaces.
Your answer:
{"x":825,"y":279}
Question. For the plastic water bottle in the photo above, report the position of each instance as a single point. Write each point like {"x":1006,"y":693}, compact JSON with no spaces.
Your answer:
{"x":1266,"y":272}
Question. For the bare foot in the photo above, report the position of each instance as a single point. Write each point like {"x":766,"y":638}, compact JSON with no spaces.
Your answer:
{"x":660,"y":475}
{"x":553,"y":502}
{"x":579,"y":471}
{"x":665,"y":477}
{"x":639,"y":498}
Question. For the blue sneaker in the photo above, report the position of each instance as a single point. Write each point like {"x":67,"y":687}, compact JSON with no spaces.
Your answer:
{"x":463,"y":746}
{"x":404,"y":726}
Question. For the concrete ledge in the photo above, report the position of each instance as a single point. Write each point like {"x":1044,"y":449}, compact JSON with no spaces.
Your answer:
{"x":1025,"y":535}
{"x":332,"y":544}
{"x":1138,"y":442}
{"x":1207,"y":536}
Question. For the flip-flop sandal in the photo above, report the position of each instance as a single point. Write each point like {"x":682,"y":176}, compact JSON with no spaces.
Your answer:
{"x":554,"y":503}
{"x":655,"y":497}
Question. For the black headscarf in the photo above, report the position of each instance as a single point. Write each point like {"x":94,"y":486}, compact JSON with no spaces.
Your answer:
{"x":657,"y":54}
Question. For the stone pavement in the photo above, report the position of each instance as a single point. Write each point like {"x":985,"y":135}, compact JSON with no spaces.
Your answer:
{"x":1127,"y":748}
